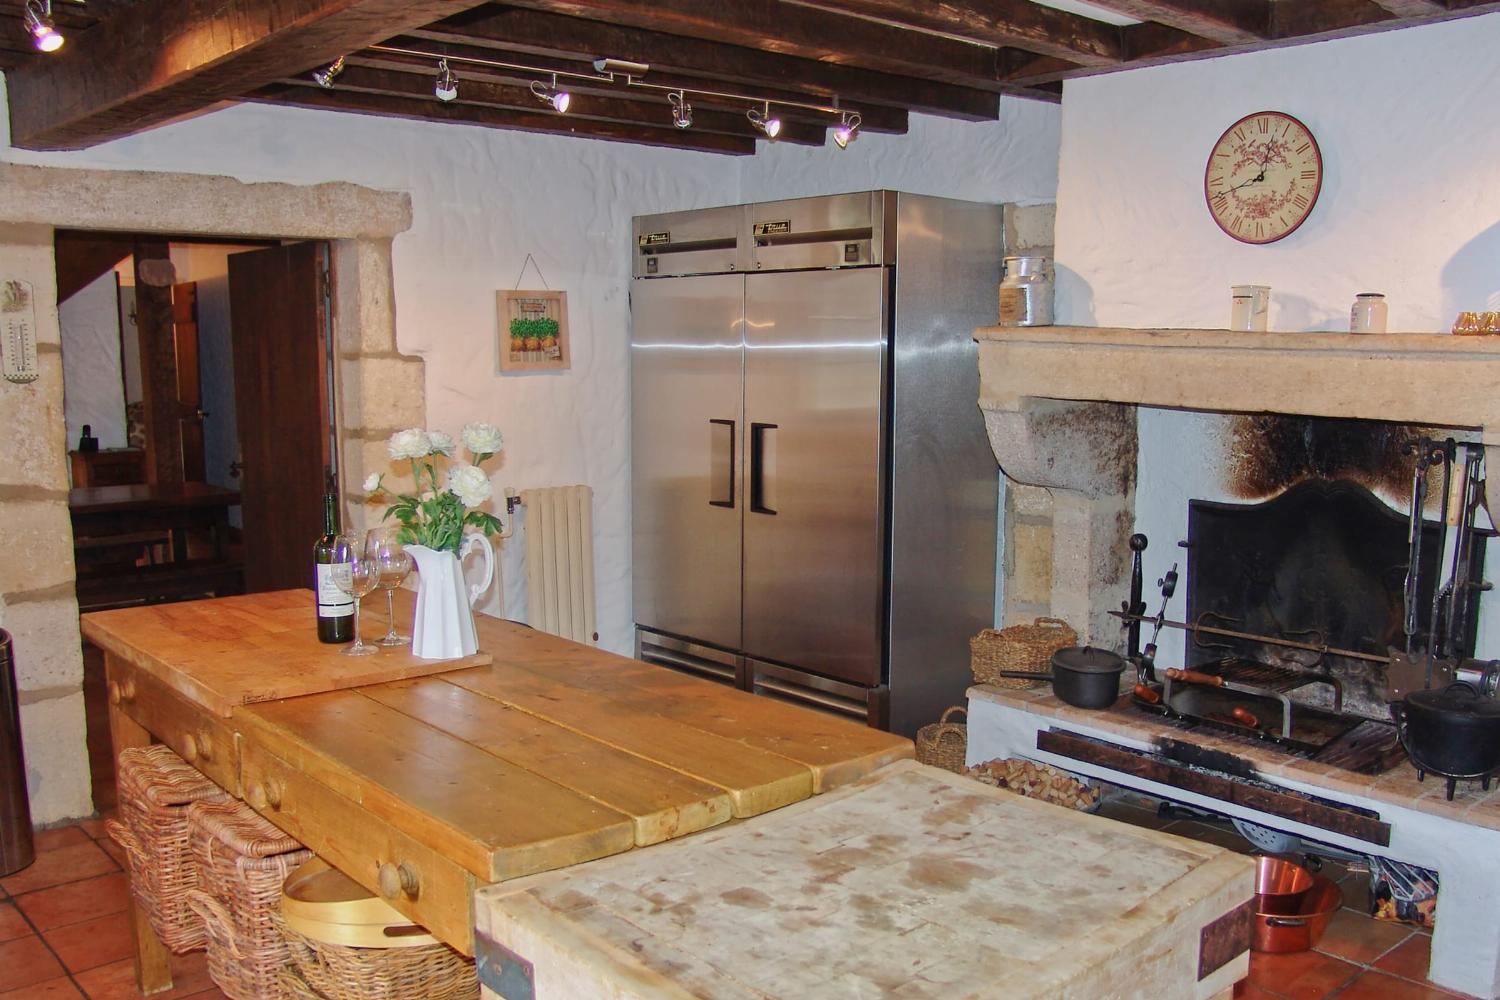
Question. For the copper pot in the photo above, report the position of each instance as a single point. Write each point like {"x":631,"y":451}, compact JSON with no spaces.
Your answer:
{"x":1279,"y":885}
{"x":1301,"y":930}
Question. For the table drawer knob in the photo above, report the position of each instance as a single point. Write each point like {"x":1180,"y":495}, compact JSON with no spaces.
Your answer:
{"x":205,"y":746}
{"x":114,"y":693}
{"x":189,"y":747}
{"x":396,"y":880}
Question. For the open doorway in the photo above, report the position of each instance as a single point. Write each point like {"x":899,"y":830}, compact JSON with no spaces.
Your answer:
{"x":198,"y":385}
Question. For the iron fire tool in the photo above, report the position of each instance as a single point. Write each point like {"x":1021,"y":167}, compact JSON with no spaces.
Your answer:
{"x":1133,"y":613}
{"x":1428,"y":451}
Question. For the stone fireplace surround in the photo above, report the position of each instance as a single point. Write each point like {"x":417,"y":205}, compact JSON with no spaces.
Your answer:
{"x":1060,"y":407}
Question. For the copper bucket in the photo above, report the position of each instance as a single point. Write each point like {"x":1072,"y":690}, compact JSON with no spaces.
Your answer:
{"x":1280,"y":885}
{"x":1301,"y":930}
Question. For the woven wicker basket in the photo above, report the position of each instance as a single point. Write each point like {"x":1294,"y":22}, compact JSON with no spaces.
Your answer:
{"x":943,"y":743}
{"x":294,"y":987}
{"x":156,"y":789}
{"x":338,"y":972}
{"x":244,"y":861}
{"x":1018,"y":647}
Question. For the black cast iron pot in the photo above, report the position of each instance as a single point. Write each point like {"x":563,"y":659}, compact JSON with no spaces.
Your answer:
{"x":1082,"y":676}
{"x":1454,"y":732}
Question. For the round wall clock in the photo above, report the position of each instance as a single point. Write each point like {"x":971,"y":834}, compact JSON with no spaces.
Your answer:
{"x":1263,"y":177}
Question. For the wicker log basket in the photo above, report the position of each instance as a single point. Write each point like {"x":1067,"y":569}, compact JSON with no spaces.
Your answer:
{"x":1018,"y":647}
{"x":943,"y":744}
{"x":338,"y":972}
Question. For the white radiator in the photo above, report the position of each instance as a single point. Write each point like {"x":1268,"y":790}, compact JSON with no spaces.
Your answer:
{"x":560,"y":561}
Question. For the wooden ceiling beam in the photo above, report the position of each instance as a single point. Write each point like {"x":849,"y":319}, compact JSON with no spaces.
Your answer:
{"x":403,"y":79}
{"x":1413,"y":8}
{"x":877,"y":118}
{"x":804,"y":32}
{"x":468,"y":114}
{"x":1228,"y":22}
{"x":545,"y":32}
{"x":1017,"y":23}
{"x":153,"y":62}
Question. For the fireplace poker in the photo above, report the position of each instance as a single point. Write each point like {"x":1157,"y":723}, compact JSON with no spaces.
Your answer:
{"x":1442,"y":594}
{"x":1427,"y":453}
{"x":1160,"y":620}
{"x":1463,"y":554}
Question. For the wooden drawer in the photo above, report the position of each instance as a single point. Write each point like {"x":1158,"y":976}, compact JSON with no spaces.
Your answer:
{"x":201,"y":739}
{"x":413,"y":878}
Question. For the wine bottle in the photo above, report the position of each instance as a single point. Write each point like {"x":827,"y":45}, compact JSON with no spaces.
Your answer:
{"x":335,"y":608}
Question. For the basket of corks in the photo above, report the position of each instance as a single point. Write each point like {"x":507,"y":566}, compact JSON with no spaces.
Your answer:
{"x":1037,"y":781}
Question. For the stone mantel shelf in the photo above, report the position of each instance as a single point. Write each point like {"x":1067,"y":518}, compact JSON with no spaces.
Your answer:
{"x":1404,"y":377}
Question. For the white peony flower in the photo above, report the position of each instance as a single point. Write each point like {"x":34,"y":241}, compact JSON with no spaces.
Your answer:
{"x":372,"y":482}
{"x":410,"y":443}
{"x":470,"y":484}
{"x":481,"y":438}
{"x":442,"y":444}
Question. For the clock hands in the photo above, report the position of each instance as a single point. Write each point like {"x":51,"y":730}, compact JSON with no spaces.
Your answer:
{"x":1254,"y":180}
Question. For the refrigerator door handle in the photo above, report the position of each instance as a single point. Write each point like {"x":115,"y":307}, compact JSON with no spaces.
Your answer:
{"x":757,"y":468}
{"x":726,"y":499}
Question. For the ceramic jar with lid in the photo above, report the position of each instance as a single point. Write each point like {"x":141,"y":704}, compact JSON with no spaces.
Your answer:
{"x":1026,"y":292}
{"x":1368,"y":313}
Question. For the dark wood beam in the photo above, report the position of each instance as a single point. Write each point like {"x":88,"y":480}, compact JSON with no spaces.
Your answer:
{"x":1226,"y":21}
{"x":154,"y":62}
{"x":1412,"y":8}
{"x":1018,"y":23}
{"x":542,"y":32}
{"x":804,"y":32}
{"x":466,"y":114}
{"x":394,"y":78}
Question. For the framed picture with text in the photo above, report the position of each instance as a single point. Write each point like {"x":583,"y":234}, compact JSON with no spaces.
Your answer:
{"x":533,"y":331}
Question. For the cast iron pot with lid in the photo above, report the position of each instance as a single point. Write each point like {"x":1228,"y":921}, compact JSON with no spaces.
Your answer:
{"x":1454,"y":732}
{"x":1082,"y":676}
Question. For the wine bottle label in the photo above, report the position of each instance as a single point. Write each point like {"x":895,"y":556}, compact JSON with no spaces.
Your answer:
{"x":332,"y":602}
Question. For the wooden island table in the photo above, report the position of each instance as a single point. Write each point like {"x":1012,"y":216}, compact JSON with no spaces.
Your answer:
{"x":425,"y":780}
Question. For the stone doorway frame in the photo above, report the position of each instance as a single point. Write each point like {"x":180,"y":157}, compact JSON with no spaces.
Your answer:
{"x":378,"y":390}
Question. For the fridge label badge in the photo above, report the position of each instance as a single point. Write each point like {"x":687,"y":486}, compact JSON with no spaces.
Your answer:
{"x":655,"y":239}
{"x":781,"y":228}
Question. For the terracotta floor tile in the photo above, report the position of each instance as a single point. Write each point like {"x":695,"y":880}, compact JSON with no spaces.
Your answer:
{"x":95,"y":827}
{"x":12,"y":924}
{"x":1361,"y":938}
{"x":1243,"y":990}
{"x":26,"y":962}
{"x":50,"y":840}
{"x":116,"y":981}
{"x":1409,"y":959}
{"x":1300,"y":975}
{"x":61,"y":988}
{"x":1378,"y":986}
{"x":92,"y":943}
{"x":1356,"y":890}
{"x":115,"y":851}
{"x":66,"y":864}
{"x":75,"y":902}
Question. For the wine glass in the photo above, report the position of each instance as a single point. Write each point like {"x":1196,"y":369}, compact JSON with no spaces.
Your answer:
{"x":392,"y":563}
{"x":356,"y":574}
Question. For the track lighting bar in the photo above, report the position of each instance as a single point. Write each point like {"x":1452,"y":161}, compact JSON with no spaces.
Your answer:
{"x":611,"y":70}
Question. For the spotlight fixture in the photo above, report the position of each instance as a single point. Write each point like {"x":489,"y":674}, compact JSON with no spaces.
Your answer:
{"x":324,"y":77}
{"x":847,"y":129}
{"x":559,"y":99}
{"x":682,"y":111}
{"x":39,"y":25}
{"x":445,"y":88}
{"x":768,"y":125}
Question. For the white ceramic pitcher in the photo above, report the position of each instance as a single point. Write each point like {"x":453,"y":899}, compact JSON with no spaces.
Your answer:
{"x":444,"y":627}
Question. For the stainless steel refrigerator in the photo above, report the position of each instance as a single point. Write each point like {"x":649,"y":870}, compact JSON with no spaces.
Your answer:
{"x":814,"y":495}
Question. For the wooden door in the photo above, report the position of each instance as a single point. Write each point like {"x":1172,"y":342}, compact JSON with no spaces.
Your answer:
{"x":189,"y":380}
{"x":278,"y":314}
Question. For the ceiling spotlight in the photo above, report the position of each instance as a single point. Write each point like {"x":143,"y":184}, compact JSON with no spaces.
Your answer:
{"x":446,"y":86}
{"x":770,"y":126}
{"x":38,"y":22}
{"x":325,"y":76}
{"x":559,"y":99}
{"x":847,"y":129}
{"x":682,"y":111}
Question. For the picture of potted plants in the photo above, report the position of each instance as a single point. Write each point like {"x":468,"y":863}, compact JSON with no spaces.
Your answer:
{"x":533,"y":331}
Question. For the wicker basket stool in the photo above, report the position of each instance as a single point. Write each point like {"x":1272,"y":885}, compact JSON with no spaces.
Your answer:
{"x":1018,"y":647}
{"x":244,"y":860}
{"x":156,"y":789}
{"x":943,"y":744}
{"x":339,"y":972}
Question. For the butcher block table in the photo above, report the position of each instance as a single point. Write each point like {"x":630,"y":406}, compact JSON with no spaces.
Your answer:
{"x":424,"y":781}
{"x":910,"y":884}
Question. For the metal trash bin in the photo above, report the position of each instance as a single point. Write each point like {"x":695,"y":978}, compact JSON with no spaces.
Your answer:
{"x":17,"y":849}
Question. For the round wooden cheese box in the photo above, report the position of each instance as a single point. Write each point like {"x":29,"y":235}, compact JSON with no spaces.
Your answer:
{"x":326,"y":905}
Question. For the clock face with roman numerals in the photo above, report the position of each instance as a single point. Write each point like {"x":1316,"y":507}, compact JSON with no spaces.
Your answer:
{"x":1263,"y":177}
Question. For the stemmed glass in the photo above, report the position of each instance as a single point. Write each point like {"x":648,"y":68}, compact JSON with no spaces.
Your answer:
{"x":356,"y":574}
{"x":392,"y":563}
